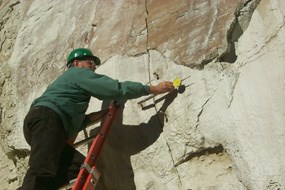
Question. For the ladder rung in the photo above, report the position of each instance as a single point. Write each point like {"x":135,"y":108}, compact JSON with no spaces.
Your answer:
{"x":84,"y":141}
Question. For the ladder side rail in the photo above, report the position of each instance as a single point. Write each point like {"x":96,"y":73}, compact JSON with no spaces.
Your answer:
{"x":93,"y":154}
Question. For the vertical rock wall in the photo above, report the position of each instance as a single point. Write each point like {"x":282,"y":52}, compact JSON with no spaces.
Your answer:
{"x":223,"y":129}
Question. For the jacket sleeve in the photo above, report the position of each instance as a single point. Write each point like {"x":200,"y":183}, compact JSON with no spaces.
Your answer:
{"x":106,"y":88}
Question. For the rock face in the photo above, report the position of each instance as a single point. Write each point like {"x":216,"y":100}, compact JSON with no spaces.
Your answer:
{"x":222,"y":129}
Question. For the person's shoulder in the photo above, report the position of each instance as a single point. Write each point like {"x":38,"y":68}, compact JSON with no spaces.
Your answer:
{"x":78,"y":70}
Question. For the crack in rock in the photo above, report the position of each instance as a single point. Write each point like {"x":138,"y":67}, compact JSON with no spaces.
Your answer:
{"x":169,"y":149}
{"x":200,"y":113}
{"x":258,"y":53}
{"x":14,"y":4}
{"x":147,"y":36}
{"x":201,"y":152}
{"x":202,"y":109}
{"x":237,"y":28}
{"x":233,"y":89}
{"x":274,"y":184}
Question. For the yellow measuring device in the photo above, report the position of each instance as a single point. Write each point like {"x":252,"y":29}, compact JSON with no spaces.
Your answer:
{"x":177,"y":82}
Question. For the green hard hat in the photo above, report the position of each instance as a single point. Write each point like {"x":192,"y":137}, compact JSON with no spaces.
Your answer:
{"x":80,"y":54}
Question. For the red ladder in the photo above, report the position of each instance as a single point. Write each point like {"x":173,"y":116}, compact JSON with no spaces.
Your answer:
{"x":88,"y":175}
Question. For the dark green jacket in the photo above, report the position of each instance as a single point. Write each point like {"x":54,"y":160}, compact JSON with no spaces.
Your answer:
{"x":69,"y":95}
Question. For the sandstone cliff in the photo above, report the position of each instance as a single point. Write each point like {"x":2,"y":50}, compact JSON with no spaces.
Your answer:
{"x":223,"y":130}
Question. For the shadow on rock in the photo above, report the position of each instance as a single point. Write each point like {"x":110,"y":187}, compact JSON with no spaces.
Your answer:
{"x":123,"y":141}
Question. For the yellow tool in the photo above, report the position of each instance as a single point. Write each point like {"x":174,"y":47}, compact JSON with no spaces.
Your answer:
{"x":177,"y":82}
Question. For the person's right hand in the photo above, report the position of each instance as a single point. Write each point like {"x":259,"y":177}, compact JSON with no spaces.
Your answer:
{"x":161,"y":88}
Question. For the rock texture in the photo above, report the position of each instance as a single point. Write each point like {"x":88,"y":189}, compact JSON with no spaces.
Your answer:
{"x":222,"y":129}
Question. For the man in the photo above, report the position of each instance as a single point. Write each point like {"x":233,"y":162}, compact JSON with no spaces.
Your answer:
{"x":59,"y":114}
